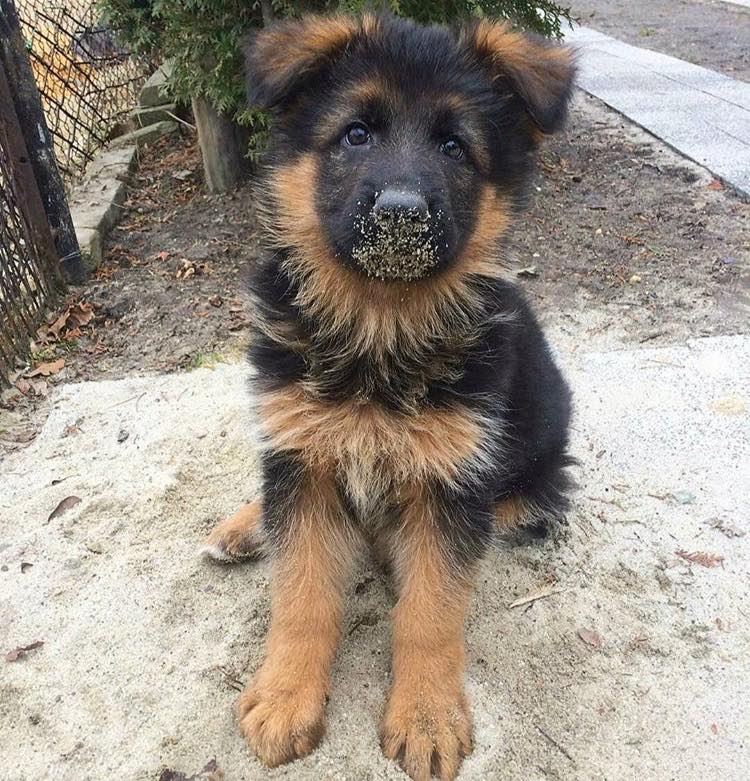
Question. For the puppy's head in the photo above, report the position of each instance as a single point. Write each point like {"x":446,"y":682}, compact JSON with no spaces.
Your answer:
{"x":405,"y":148}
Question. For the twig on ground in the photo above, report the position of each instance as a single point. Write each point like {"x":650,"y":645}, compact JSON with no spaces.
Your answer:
{"x":560,"y":748}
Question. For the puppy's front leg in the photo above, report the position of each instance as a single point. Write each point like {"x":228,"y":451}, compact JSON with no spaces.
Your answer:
{"x":427,"y":723}
{"x":282,"y":711}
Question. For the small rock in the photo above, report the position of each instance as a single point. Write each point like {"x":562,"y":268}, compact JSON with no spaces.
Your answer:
{"x":122,"y":436}
{"x":730,"y":405}
{"x":10,"y":396}
{"x":634,"y":278}
{"x":684,"y":497}
{"x":529,"y":271}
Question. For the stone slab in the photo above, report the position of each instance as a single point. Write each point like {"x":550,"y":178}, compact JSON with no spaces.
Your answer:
{"x":145,"y":135}
{"x":155,"y":91}
{"x":143,"y":116}
{"x":702,"y":114}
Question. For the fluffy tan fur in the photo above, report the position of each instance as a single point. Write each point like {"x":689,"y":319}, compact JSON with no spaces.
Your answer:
{"x":427,"y":718}
{"x":378,"y":314}
{"x":367,"y":444}
{"x":282,"y":711}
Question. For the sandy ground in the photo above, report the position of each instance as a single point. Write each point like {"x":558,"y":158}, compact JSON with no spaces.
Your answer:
{"x":145,"y":644}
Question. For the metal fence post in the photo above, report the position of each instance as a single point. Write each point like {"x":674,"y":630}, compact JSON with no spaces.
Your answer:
{"x":30,"y":115}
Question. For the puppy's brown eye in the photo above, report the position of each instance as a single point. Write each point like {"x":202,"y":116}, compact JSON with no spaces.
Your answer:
{"x":357,"y":134}
{"x":452,"y":148}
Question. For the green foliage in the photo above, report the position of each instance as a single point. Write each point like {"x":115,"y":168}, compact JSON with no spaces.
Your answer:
{"x":201,"y":37}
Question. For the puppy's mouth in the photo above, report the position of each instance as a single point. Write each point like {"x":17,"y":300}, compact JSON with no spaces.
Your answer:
{"x":396,"y":247}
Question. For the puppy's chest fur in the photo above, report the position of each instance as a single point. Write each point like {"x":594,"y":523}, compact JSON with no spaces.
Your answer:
{"x":373,"y":450}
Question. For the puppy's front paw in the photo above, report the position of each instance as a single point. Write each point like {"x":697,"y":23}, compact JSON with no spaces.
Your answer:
{"x":279,"y":723}
{"x":427,"y":731}
{"x":238,"y":536}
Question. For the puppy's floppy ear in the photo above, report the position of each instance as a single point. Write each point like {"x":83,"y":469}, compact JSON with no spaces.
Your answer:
{"x":540,"y":72}
{"x":280,"y":59}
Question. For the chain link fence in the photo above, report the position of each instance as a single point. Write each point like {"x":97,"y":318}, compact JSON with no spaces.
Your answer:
{"x":27,"y":280}
{"x":88,"y":83}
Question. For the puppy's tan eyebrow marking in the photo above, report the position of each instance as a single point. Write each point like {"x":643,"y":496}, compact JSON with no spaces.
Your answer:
{"x":368,"y":96}
{"x":454,"y":114}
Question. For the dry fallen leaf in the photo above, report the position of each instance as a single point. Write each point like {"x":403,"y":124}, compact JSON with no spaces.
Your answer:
{"x":17,"y":653}
{"x":23,"y":385}
{"x":71,"y":319}
{"x":211,"y":772}
{"x":716,"y":185}
{"x":590,"y":637}
{"x":39,"y":387}
{"x":727,"y":529}
{"x":46,"y":369}
{"x":80,"y":314}
{"x":66,"y":504}
{"x":701,"y":557}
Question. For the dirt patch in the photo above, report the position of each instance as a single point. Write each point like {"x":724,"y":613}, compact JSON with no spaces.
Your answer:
{"x":168,"y":295}
{"x":712,"y":33}
{"x":627,"y":231}
{"x":616,"y":223}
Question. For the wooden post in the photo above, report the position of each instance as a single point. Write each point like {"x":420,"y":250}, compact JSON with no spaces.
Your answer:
{"x":223,"y":144}
{"x":28,"y":108}
{"x":14,"y":146}
{"x":266,"y":10}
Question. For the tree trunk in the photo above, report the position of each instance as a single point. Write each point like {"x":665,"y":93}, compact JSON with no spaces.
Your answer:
{"x":223,"y":145}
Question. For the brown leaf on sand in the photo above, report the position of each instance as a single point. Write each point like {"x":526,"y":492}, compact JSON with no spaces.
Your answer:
{"x":39,"y":387}
{"x":17,"y":653}
{"x":46,"y":369}
{"x":80,"y":314}
{"x":66,"y":504}
{"x":23,"y":385}
{"x":701,"y":557}
{"x":590,"y":637}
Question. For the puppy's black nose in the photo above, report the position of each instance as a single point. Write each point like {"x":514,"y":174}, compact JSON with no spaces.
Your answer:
{"x":392,"y":204}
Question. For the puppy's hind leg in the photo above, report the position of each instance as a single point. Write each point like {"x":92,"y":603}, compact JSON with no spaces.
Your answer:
{"x":236,"y":537}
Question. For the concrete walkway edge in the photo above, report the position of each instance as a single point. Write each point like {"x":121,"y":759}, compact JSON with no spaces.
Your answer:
{"x":702,"y":114}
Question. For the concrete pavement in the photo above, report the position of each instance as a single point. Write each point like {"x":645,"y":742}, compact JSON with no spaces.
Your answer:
{"x":702,"y":114}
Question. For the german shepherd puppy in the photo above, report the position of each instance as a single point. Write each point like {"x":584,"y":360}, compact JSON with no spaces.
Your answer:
{"x":405,"y":392}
